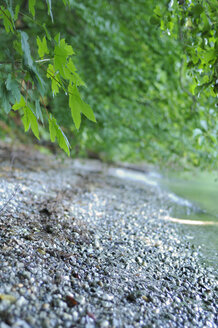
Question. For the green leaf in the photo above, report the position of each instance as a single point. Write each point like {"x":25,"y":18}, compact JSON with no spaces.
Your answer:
{"x":201,"y":140}
{"x":47,"y":32}
{"x":25,"y":120}
{"x":154,"y":20}
{"x":197,"y":89}
{"x":57,"y":38}
{"x":75,"y":106}
{"x":42,"y":47}
{"x":29,"y":119}
{"x":38,"y":111}
{"x":205,"y":79}
{"x":76,"y":79}
{"x":210,"y":56}
{"x":213,"y":138}
{"x":204,"y":124}
{"x":88,"y":112}
{"x":33,"y":123}
{"x":19,"y":104}
{"x":63,"y":141}
{"x":10,"y":8}
{"x":71,"y":66}
{"x":13,"y":86}
{"x":18,"y":48}
{"x":17,"y":9}
{"x":55,"y":80}
{"x":56,"y":131}
{"x":37,"y":79}
{"x":158,"y":11}
{"x":61,"y":52}
{"x":49,"y":9}
{"x":9,"y":93}
{"x":197,"y":10}
{"x":71,"y":74}
{"x":7,"y":20}
{"x":26,"y":49}
{"x":5,"y":98}
{"x":52,"y":128}
{"x":78,"y":106}
{"x":197,"y":132}
{"x":32,"y":4}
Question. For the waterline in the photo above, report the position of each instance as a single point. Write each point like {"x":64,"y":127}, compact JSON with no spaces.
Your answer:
{"x":185,"y":221}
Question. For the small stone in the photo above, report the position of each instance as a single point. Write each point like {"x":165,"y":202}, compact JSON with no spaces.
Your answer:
{"x":97,"y":243}
{"x":81,"y":300}
{"x":139,"y":260}
{"x":145,"y":298}
{"x":41,"y":251}
{"x":26,"y":274}
{"x":46,"y":306}
{"x":67,"y":316}
{"x":43,"y":315}
{"x":107,"y":297}
{"x":100,"y":283}
{"x":21,"y":323}
{"x":8,"y":298}
{"x":104,"y":324}
{"x":4,"y":325}
{"x":21,"y":301}
{"x":107,"y":304}
{"x":75,"y":315}
{"x":46,"y":323}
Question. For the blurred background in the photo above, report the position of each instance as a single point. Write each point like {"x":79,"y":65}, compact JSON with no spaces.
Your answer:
{"x":144,"y":68}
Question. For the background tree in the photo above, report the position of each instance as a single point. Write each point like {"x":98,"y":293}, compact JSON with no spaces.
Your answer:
{"x":150,"y":70}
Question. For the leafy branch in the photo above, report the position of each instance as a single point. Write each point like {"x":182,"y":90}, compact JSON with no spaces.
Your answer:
{"x":62,"y":73}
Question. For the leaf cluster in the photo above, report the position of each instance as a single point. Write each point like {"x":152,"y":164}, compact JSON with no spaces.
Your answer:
{"x":25,"y":72}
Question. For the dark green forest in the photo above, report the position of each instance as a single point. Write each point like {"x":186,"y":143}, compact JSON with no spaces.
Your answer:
{"x":118,"y":80}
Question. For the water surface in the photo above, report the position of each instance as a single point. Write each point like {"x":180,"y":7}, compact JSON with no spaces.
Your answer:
{"x":201,"y":189}
{"x":194,"y":205}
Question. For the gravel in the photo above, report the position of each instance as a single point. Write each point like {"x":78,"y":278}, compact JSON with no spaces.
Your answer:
{"x":80,"y":248}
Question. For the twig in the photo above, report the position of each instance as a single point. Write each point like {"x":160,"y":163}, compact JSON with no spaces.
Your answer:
{"x":8,"y":201}
{"x":43,"y":60}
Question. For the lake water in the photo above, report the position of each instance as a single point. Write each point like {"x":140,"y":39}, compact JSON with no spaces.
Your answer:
{"x":194,"y":197}
{"x":201,"y":189}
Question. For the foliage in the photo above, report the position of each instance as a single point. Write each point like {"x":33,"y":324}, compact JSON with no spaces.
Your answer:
{"x":140,"y":87}
{"x":25,"y":77}
{"x":151,"y":73}
{"x":194,"y":24}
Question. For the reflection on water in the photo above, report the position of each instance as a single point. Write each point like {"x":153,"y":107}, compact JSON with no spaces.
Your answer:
{"x":179,"y":200}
